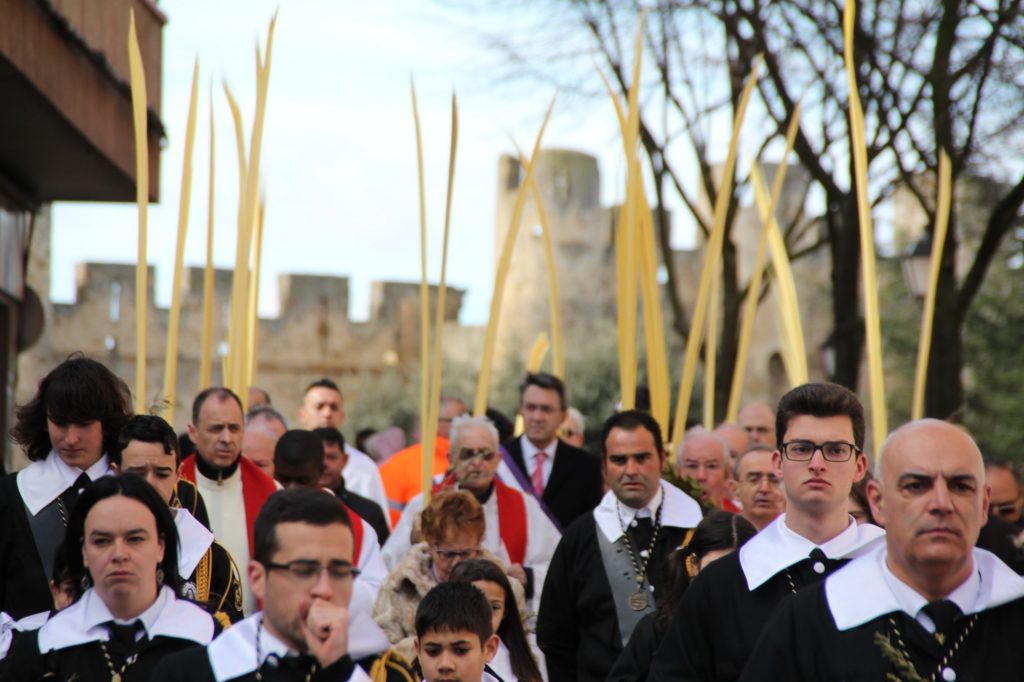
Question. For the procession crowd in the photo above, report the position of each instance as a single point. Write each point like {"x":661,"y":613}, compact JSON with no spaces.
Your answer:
{"x":252,"y":548}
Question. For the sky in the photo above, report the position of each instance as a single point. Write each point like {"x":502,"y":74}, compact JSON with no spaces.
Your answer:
{"x":338,"y":163}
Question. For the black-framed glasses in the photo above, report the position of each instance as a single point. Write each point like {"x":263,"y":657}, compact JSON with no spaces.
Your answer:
{"x":307,"y":570}
{"x":832,"y":450}
{"x":469,"y":454}
{"x":452,"y":554}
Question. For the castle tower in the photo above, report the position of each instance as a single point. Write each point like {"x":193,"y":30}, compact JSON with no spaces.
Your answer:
{"x":581,"y":233}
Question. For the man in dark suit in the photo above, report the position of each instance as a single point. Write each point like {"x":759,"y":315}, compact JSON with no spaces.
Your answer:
{"x":566,"y":479}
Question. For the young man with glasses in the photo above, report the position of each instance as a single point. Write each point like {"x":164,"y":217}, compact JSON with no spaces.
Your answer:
{"x":819,"y":457}
{"x":302,"y":573}
{"x":516,"y":529}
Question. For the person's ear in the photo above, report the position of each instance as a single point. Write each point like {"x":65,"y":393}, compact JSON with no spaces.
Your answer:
{"x":861,"y":467}
{"x":116,"y":468}
{"x":490,"y":648}
{"x":257,"y":579}
{"x":876,"y":500}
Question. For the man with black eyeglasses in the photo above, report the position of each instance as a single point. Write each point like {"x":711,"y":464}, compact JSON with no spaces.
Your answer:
{"x":819,"y":457}
{"x":302,"y":573}
{"x":516,"y":529}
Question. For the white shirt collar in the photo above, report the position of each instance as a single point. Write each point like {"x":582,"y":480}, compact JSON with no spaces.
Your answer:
{"x":530,"y":450}
{"x":862,"y":591}
{"x":194,"y":539}
{"x":40,"y":483}
{"x":233,"y":653}
{"x":777,"y":547}
{"x":680,"y":511}
{"x":83,"y":621}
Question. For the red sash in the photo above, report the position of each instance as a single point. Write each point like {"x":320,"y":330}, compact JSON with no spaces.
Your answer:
{"x":357,"y":534}
{"x":256,"y":488}
{"x":511,"y":521}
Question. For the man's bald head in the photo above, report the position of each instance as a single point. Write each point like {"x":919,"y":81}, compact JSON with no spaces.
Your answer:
{"x":931,"y":496}
{"x":759,"y":422}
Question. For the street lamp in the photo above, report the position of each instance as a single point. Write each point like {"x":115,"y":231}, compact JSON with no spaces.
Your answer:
{"x":917,"y":262}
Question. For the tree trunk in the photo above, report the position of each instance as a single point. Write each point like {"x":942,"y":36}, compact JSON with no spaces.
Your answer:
{"x":848,"y":325}
{"x":944,"y":393}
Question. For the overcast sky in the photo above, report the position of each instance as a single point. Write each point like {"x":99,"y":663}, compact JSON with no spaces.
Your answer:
{"x":338,"y":162}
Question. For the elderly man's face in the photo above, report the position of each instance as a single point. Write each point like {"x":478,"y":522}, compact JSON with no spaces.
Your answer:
{"x":704,"y":460}
{"x":476,"y":458}
{"x":932,"y":500}
{"x":758,"y":488}
{"x":759,"y":422}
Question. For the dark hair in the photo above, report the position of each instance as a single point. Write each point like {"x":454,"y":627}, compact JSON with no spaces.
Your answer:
{"x":62,"y":576}
{"x":220,"y":393}
{"x":323,"y":382}
{"x":859,"y":493}
{"x":454,"y":607}
{"x":631,"y":420}
{"x":298,"y":448}
{"x":265,"y":412}
{"x":146,"y":428}
{"x":820,"y":400}
{"x":362,"y":435}
{"x":329,"y":434}
{"x":294,"y":505}
{"x":716,"y":531}
{"x":1005,"y":464}
{"x":506,"y":429}
{"x":510,"y":630}
{"x":548,"y":382}
{"x":77,"y":391}
{"x":126,"y":485}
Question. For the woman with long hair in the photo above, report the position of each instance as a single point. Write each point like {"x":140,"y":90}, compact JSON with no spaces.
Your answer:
{"x":516,"y":658}
{"x":718,"y":534}
{"x":122,"y":549}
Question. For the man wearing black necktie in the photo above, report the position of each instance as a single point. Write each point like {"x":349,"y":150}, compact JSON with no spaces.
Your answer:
{"x":66,"y":431}
{"x":925,"y":605}
{"x":606,"y":572}
{"x":302,"y":573}
{"x":723,"y":613}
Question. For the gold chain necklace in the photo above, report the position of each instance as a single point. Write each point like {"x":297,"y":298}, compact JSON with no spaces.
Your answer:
{"x":950,"y":652}
{"x":638,"y":600}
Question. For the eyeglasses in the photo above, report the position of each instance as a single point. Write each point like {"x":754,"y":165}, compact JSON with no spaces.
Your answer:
{"x":469,"y":454}
{"x":452,"y":554}
{"x":832,"y":451}
{"x":307,"y":570}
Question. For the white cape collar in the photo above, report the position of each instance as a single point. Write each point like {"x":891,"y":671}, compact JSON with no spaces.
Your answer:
{"x":40,"y":483}
{"x":858,"y":592}
{"x":776,"y":548}
{"x":194,"y":539}
{"x":233,"y":653}
{"x":679,"y":511}
{"x":83,"y":622}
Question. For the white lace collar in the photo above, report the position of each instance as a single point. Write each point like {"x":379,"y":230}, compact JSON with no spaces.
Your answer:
{"x":83,"y":621}
{"x":194,"y":539}
{"x":679,"y":511}
{"x":860,"y":592}
{"x":777,"y":547}
{"x":40,"y":483}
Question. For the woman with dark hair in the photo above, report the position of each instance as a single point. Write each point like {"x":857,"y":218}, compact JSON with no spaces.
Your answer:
{"x":122,"y":548}
{"x":718,"y":534}
{"x":66,"y":431}
{"x":857,"y":504}
{"x":516,"y":659}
